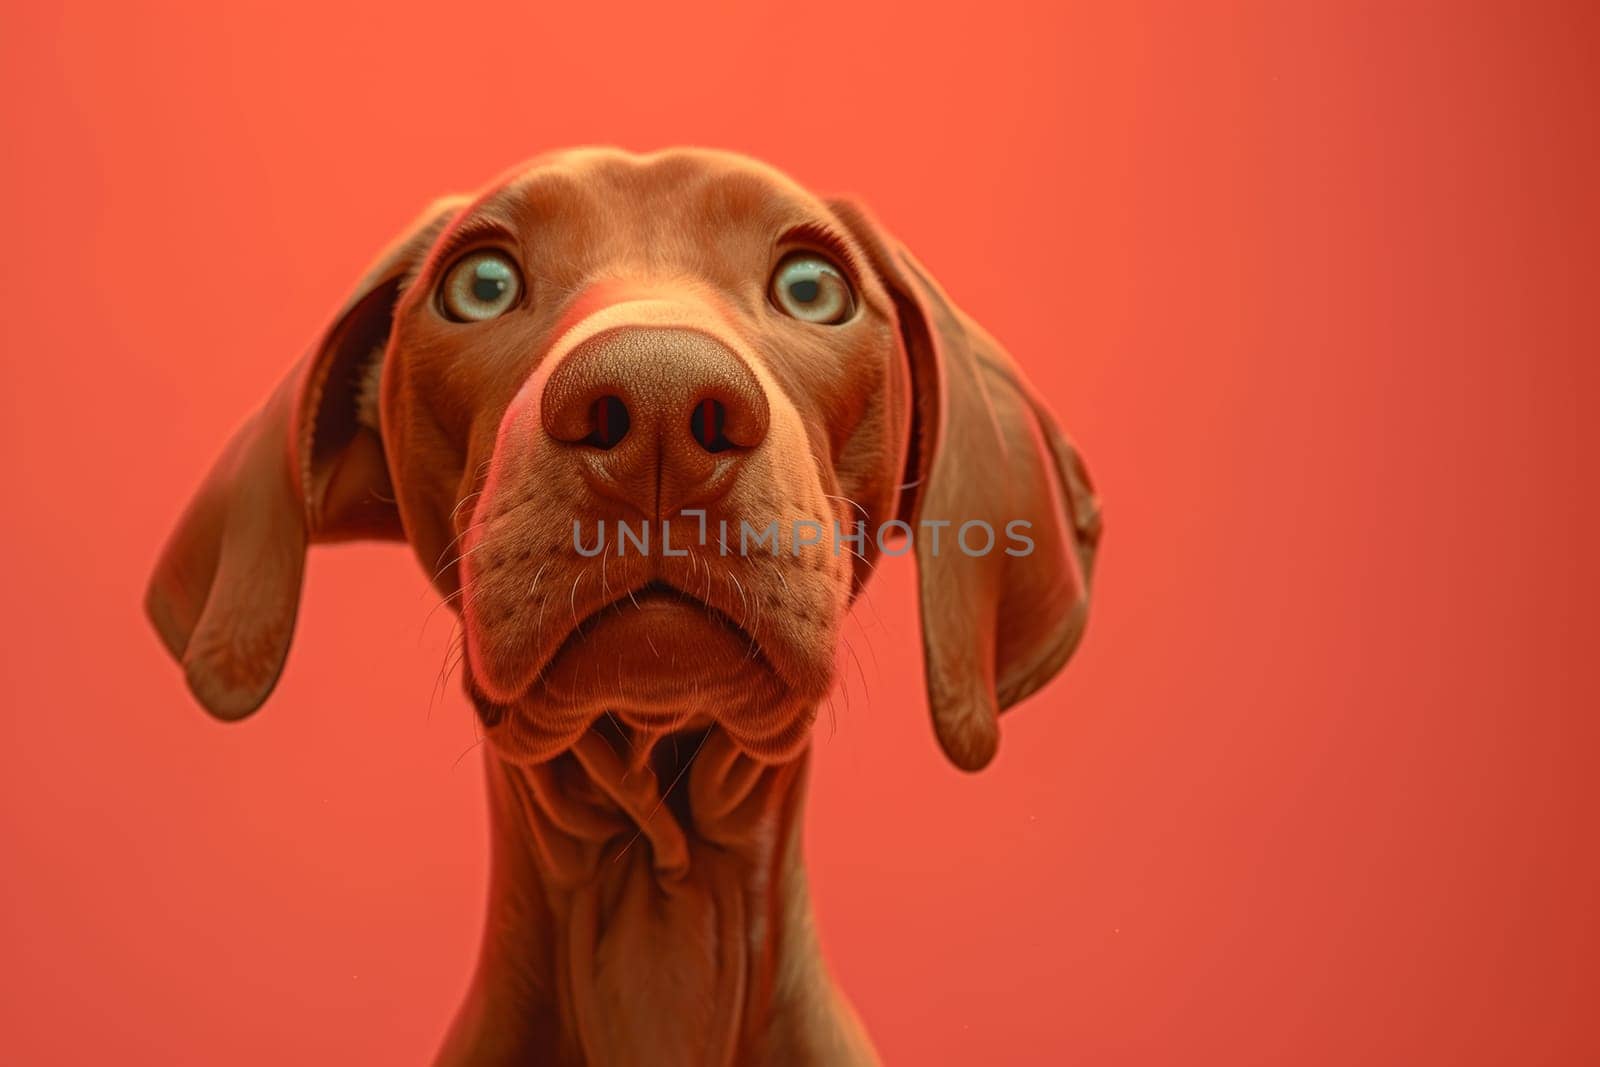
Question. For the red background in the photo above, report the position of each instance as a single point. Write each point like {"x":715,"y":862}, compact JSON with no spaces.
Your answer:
{"x":1313,"y":285}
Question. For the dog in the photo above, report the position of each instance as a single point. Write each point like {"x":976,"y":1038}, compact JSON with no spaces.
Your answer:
{"x":667,"y":356}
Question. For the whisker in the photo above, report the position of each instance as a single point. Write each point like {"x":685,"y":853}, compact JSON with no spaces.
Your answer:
{"x":426,"y":619}
{"x":452,"y":543}
{"x":464,"y":754}
{"x":866,"y":689}
{"x":572,"y":598}
{"x":852,"y":503}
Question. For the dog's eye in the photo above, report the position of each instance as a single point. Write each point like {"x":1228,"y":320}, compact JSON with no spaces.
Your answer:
{"x":807,"y":287}
{"x":481,"y":286}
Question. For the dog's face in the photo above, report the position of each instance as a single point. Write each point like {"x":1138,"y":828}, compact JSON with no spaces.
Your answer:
{"x":639,"y":351}
{"x":629,"y":412}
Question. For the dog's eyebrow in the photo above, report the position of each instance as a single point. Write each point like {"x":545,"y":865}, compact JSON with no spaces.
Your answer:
{"x":829,"y":239}
{"x":479,"y":226}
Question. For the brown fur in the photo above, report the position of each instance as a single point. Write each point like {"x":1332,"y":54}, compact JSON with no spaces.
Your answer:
{"x":646,"y":759}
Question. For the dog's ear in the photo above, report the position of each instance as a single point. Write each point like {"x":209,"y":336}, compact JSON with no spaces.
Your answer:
{"x":308,"y":466}
{"x":983,"y":449}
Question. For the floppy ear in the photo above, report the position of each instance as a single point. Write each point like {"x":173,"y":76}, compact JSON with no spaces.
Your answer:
{"x":996,"y":625}
{"x":308,"y":466}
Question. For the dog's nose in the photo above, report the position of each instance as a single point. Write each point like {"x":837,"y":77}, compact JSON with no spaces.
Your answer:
{"x":664,"y":415}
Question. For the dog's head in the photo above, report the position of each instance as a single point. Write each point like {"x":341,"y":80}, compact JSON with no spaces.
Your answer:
{"x":649,"y":422}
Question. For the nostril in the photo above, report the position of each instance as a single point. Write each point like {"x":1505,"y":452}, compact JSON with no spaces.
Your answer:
{"x":608,"y":419}
{"x":707,"y":423}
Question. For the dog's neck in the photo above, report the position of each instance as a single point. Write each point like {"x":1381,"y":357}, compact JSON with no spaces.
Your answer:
{"x":648,"y":905}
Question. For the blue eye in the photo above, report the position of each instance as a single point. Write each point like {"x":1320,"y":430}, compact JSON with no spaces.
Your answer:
{"x":482,"y":285}
{"x":809,"y":288}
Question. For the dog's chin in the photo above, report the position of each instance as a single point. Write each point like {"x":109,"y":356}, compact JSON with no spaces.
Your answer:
{"x":656,"y":661}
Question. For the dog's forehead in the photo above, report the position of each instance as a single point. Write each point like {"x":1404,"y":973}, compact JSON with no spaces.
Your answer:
{"x":684,"y":187}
